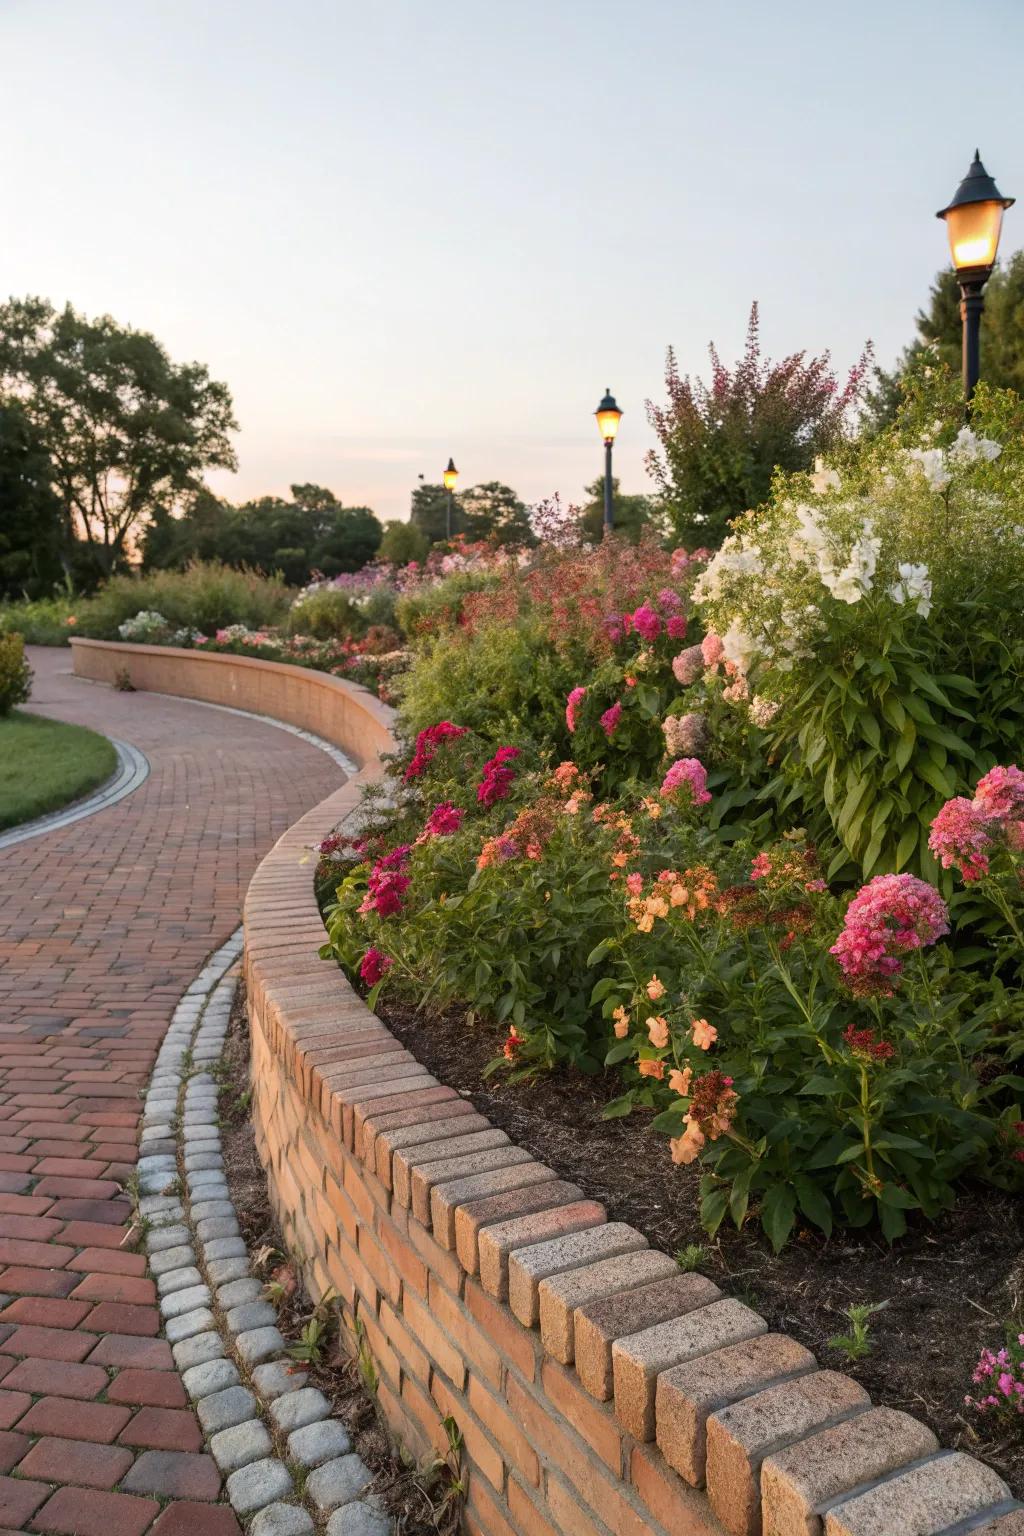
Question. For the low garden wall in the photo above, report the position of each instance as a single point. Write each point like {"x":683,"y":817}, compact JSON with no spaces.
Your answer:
{"x":599,"y":1390}
{"x":342,"y":713}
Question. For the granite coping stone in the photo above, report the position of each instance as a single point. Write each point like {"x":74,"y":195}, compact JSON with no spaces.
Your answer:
{"x":926,"y":1500}
{"x":472,"y":1215}
{"x":527,"y":1267}
{"x":560,"y":1295}
{"x":496,"y":1240}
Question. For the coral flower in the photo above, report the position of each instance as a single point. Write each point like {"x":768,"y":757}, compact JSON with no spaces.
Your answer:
{"x":655,"y":989}
{"x":621,"y":1018}
{"x":680,"y":1082}
{"x":686,"y":1148}
{"x":704,"y":1034}
{"x":651,"y":1068}
{"x":657,"y":1032}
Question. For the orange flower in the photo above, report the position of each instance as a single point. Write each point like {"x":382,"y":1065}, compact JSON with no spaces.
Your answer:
{"x":651,"y":1068}
{"x":621,"y":1018}
{"x":657,"y":1031}
{"x":704,"y":1034}
{"x":655,"y":989}
{"x":686,"y":1148}
{"x":679,"y":1082}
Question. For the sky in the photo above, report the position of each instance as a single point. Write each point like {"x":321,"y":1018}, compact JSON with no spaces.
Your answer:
{"x":400,"y":230}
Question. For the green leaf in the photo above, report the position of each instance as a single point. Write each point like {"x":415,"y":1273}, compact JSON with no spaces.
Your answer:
{"x":597,"y":953}
{"x":619,"y":1051}
{"x":618,"y":1107}
{"x":712,"y":1208}
{"x":814,"y":1204}
{"x":778,"y":1212}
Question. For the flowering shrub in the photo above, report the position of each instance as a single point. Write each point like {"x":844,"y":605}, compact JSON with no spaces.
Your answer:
{"x":146,"y":628}
{"x":15,"y":673}
{"x":999,"y":1377}
{"x":874,"y":614}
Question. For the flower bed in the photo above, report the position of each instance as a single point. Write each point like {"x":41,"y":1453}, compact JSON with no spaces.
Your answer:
{"x":740,"y":840}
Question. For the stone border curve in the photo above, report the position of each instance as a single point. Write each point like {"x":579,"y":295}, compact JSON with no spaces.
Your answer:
{"x":131,"y":771}
{"x":599,"y":1390}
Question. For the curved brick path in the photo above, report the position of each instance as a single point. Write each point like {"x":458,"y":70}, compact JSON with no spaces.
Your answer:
{"x":102,"y":927}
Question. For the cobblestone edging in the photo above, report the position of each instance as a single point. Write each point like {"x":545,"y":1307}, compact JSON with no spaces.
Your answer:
{"x":131,"y":771}
{"x":287,"y":1463}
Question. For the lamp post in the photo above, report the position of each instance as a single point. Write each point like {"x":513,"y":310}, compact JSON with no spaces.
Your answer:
{"x":608,"y":418}
{"x":973,"y":221}
{"x":450,"y":476}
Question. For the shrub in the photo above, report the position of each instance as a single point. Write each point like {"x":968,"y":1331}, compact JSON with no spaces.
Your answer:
{"x":327,"y":614}
{"x":15,"y":673}
{"x":205,"y":596}
{"x":875,"y":609}
{"x":48,"y":621}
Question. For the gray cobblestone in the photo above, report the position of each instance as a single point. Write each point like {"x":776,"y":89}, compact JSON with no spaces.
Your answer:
{"x":259,"y":1344}
{"x":199,"y":1350}
{"x":168,"y":1259}
{"x":282,"y":1520}
{"x":314,"y":1444}
{"x":230,"y":1247}
{"x":338,"y":1482}
{"x":222,"y":1270}
{"x":358,"y":1519}
{"x":260,"y":1483}
{"x":241,"y":1444}
{"x":187,"y":1300}
{"x":197,"y":1321}
{"x":182,"y":1279}
{"x":239,"y":1291}
{"x":222,"y":1410}
{"x":277,"y":1377}
{"x":251,"y":1316}
{"x":295,"y":1409}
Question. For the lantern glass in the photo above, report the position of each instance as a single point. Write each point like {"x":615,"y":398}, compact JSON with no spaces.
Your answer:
{"x":608,"y":424}
{"x":450,"y":477}
{"x":973,"y":230}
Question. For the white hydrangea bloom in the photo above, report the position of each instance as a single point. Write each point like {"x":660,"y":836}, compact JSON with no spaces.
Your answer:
{"x":914,"y":586}
{"x":968,"y":447}
{"x":933,"y":466}
{"x":738,"y":647}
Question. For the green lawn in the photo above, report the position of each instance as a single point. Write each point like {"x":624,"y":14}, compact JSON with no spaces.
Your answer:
{"x":44,"y":764}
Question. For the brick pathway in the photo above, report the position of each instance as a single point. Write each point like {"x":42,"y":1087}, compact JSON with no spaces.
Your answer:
{"x":102,"y":927}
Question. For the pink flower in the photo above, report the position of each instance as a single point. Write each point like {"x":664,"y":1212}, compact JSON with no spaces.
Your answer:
{"x":427,"y":743}
{"x":712,"y":650}
{"x":669,"y":601}
{"x":960,"y":837}
{"x":688,"y":772}
{"x":614,"y":627}
{"x":634,"y":883}
{"x":688,"y":666}
{"x":610,"y":719}
{"x":685,"y":735}
{"x":889,"y":916}
{"x":498,"y":777}
{"x":646,"y":622}
{"x":375,"y":964}
{"x":444,"y":820}
{"x":387,"y":884}
{"x":761,"y":867}
{"x":675,"y":626}
{"x":1000,"y":794}
{"x":572,"y":705}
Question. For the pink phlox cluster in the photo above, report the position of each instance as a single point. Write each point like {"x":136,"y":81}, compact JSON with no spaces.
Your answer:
{"x":688,"y":666}
{"x":712,"y":650}
{"x":888,"y":917}
{"x":427,"y":743}
{"x":646,"y":622}
{"x":388,"y":883}
{"x":689,"y":773}
{"x":999,"y":1373}
{"x":610,"y":719}
{"x":498,"y":776}
{"x":572,"y":705}
{"x":1000,"y":794}
{"x":374,"y":965}
{"x":444,"y":820}
{"x":960,"y":838}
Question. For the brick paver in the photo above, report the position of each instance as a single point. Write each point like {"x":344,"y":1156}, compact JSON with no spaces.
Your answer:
{"x":103,"y":925}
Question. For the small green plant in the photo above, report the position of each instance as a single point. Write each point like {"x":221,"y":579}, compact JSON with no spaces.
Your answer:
{"x":857,"y":1343}
{"x":123,"y":681}
{"x":15,"y":673}
{"x":312,"y":1341}
{"x":692,"y":1256}
{"x":364,"y":1359}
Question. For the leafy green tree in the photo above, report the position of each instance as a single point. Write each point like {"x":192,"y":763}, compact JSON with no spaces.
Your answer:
{"x":632,"y":514}
{"x":721,"y":442}
{"x":402,"y":543}
{"x":494,"y":511}
{"x":33,"y":555}
{"x":939,"y":336}
{"x":429,"y":512}
{"x":128,"y":431}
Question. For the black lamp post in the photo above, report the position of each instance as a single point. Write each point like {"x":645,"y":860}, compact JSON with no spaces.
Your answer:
{"x":608,"y":417}
{"x":973,"y":221}
{"x":451,"y":474}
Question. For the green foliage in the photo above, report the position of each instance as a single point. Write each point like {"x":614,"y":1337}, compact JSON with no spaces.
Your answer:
{"x":127,"y":431}
{"x":46,"y":621}
{"x":15,"y":673}
{"x":721,"y":443}
{"x":205,"y":596}
{"x":31,"y":535}
{"x":692,"y":1257}
{"x":857,"y":1343}
{"x":326,"y":614}
{"x":402,"y":542}
{"x":311,"y":533}
{"x":632,"y":514}
{"x":494,"y":513}
{"x":45,"y":764}
{"x":877,"y":608}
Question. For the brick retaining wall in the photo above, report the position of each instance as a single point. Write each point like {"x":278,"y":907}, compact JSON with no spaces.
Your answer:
{"x":599,"y":1390}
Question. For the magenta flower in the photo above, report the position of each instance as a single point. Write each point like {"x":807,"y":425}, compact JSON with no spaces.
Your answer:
{"x":444,"y":820}
{"x":610,"y":719}
{"x":687,"y":773}
{"x":889,"y":916}
{"x":646,"y":622}
{"x":675,"y":626}
{"x":374,"y":965}
{"x":498,"y":777}
{"x":572,"y":705}
{"x":427,"y":743}
{"x":960,"y":838}
{"x":387,"y":883}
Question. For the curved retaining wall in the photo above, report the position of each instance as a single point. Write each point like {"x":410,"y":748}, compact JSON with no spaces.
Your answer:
{"x":342,"y":713}
{"x":599,"y":1391}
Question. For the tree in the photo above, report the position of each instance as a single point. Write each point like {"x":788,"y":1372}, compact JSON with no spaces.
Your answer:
{"x":721,"y":442}
{"x":632,"y":514}
{"x":128,"y":431}
{"x":429,"y":513}
{"x":939,"y":332}
{"x":32,"y":552}
{"x":494,"y":511}
{"x":402,"y":543}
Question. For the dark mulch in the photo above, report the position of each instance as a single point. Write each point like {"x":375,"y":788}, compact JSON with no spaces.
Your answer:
{"x":949,"y":1285}
{"x":415,"y":1496}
